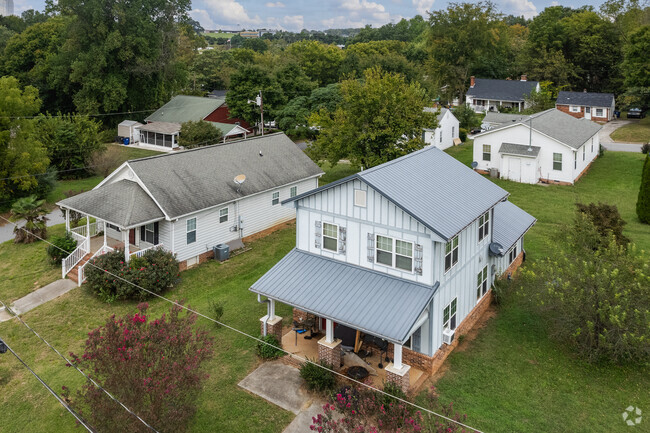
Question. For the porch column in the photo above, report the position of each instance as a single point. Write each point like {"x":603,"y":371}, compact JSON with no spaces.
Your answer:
{"x":396,"y":371}
{"x":88,"y":231}
{"x":329,"y":331}
{"x":105,"y":230}
{"x":125,"y":238}
{"x":67,"y":220}
{"x":271,"y":324}
{"x":329,"y":348}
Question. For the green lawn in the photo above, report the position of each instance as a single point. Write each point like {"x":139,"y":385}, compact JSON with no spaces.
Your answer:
{"x":339,"y":171}
{"x":638,"y":132}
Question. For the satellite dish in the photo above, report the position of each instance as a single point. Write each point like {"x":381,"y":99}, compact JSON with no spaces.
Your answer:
{"x":239,"y":180}
{"x":474,"y":164}
{"x":495,"y":249}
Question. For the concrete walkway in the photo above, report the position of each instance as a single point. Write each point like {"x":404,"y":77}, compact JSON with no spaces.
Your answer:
{"x":610,"y":144}
{"x":7,"y":229}
{"x":38,"y":297}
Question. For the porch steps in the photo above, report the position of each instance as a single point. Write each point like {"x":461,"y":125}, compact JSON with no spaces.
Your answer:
{"x":74,"y":272}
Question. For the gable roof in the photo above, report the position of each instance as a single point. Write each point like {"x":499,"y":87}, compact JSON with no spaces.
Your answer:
{"x":431,"y":186}
{"x":183,"y":108}
{"x":591,"y":99}
{"x":501,"y":90}
{"x":510,"y":223}
{"x":192,"y":180}
{"x":519,"y":149}
{"x":161,"y":127}
{"x":558,"y":125}
{"x":123,"y":203}
{"x":496,"y":117}
{"x":434,"y":110}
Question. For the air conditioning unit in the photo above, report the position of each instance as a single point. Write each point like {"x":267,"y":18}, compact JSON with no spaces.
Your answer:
{"x":447,"y":336}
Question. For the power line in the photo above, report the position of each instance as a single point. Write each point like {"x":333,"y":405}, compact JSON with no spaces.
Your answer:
{"x":68,"y":408}
{"x":304,"y":360}
{"x":68,"y":362}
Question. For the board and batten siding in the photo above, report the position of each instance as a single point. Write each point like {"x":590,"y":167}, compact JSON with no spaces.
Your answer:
{"x":379,"y":217}
{"x":256,"y":211}
{"x":503,"y":262}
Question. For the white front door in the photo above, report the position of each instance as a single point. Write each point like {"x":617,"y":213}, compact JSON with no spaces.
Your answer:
{"x":588,"y":113}
{"x":514,"y":169}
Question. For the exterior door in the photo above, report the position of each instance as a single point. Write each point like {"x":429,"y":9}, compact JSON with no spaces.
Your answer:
{"x":588,"y":113}
{"x":132,"y":236}
{"x":514,"y":169}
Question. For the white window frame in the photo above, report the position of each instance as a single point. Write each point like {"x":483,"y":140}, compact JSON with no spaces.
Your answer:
{"x":149,"y":228}
{"x":393,"y":253}
{"x":481,"y":283}
{"x":483,"y":226}
{"x":293,"y":191}
{"x":275,"y":198}
{"x":512,"y":254}
{"x":360,"y":198}
{"x":188,"y":231}
{"x":336,"y":238}
{"x":554,"y":161}
{"x":223,"y":213}
{"x":602,"y":112}
{"x":452,"y":253}
{"x":448,"y":313}
{"x":574,"y":109}
{"x":488,"y":153}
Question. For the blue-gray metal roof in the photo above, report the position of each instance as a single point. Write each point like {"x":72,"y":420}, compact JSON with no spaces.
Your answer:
{"x":591,"y":99}
{"x":363,"y":299}
{"x":501,"y":90}
{"x":510,"y":223}
{"x":434,"y":188}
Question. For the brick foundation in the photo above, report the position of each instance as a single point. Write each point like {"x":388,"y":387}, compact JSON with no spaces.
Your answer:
{"x":400,"y":377}
{"x":300,"y":316}
{"x":412,"y":358}
{"x":513,"y":266}
{"x":479,"y":171}
{"x":275,"y":228}
{"x":203,"y":257}
{"x":273,"y":327}
{"x":331,"y":353}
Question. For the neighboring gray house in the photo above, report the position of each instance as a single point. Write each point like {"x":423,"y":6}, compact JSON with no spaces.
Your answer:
{"x":493,"y":95}
{"x":493,"y":119}
{"x":406,"y":252}
{"x":447,"y":131}
{"x":188,"y":202}
{"x":588,"y":105}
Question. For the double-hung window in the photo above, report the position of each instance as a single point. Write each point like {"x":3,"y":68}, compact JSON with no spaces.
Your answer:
{"x":223,"y":215}
{"x":451,"y":253}
{"x":599,"y":112}
{"x":293,"y":191}
{"x":481,"y":283}
{"x":487,"y":149}
{"x":513,"y":254}
{"x":191,"y":230}
{"x":584,"y":150}
{"x":449,"y":315}
{"x":483,"y":226}
{"x":148,"y":233}
{"x":574,"y":108}
{"x":395,"y":253}
{"x":331,"y":237}
{"x":557,"y":161}
{"x":276,"y":198}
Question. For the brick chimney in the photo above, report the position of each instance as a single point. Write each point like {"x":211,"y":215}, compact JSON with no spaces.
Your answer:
{"x":524,"y":78}
{"x":472,"y":81}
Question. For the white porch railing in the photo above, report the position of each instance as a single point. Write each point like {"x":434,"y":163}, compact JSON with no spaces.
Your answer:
{"x":80,"y":232}
{"x":75,"y":257}
{"x":141,"y":252}
{"x":81,"y":276}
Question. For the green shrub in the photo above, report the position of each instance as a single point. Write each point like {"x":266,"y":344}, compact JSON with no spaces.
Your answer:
{"x":156,"y":271}
{"x":643,"y":202}
{"x":462,"y":134}
{"x":318,"y":377}
{"x":66,"y":243}
{"x":217,"y":311}
{"x":645,"y":149}
{"x":271,"y":350}
{"x":395,"y":391}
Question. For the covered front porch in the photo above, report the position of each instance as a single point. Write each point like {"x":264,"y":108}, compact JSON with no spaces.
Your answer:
{"x":357,"y":316}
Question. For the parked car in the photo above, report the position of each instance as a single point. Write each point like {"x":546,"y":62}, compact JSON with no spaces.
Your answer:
{"x":635,"y":113}
{"x":475,"y":131}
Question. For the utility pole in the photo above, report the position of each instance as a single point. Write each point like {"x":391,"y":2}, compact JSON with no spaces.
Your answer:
{"x":258,"y":101}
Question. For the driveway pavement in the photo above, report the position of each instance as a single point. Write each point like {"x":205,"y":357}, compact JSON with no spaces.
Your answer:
{"x":7,"y":229}
{"x":610,"y":144}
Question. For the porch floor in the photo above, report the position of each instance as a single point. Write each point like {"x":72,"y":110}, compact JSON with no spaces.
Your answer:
{"x":96,"y":243}
{"x":309,"y":349}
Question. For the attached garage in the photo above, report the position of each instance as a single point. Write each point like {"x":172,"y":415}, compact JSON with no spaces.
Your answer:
{"x":519,"y":162}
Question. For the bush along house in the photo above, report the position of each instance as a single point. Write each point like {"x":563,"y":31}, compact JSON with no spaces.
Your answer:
{"x":189,"y":202}
{"x":405,"y":252}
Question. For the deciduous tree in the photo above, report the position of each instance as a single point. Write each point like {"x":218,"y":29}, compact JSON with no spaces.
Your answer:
{"x":200,"y":133}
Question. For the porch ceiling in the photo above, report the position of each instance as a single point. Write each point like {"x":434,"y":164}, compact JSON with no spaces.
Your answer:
{"x":370,"y":301}
{"x":123,"y":203}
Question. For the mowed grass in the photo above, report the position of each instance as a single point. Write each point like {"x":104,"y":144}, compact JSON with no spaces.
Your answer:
{"x":637,"y":132}
{"x":339,"y":171}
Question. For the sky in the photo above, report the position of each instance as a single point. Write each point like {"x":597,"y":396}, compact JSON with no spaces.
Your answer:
{"x":295,"y":15}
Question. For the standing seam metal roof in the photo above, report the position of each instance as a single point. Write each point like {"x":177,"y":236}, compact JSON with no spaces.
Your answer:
{"x":183,"y":108}
{"x":351,"y":295}
{"x":510,"y":223}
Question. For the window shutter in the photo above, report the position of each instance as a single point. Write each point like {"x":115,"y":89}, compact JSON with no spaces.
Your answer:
{"x":318,"y":232}
{"x":371,"y":247}
{"x":342,"y":236}
{"x":155,"y":233}
{"x":143,"y":235}
{"x":418,"y":259}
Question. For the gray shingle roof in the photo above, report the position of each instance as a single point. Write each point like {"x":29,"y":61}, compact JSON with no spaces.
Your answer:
{"x":161,"y":127}
{"x":494,"y":117}
{"x":123,"y":203}
{"x":585,"y":98}
{"x":351,"y":295}
{"x":183,"y":108}
{"x":559,"y":126}
{"x":519,"y":149}
{"x":503,"y":90}
{"x":510,"y":223}
{"x":433,"y":187}
{"x":188,"y":181}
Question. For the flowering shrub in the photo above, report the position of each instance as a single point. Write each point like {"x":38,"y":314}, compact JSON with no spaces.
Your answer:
{"x":152,"y":366}
{"x":156,"y":271}
{"x":366,"y":411}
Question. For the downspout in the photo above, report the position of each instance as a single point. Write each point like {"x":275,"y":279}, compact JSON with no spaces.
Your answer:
{"x":267,"y":301}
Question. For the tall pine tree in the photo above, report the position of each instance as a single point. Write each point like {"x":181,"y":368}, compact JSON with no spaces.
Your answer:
{"x":643,"y":203}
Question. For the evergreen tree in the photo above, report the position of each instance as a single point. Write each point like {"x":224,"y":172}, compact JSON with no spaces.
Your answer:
{"x":643,"y":203}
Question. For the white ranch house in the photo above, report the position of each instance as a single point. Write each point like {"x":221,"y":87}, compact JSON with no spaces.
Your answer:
{"x":408,"y":264}
{"x":188,"y":202}
{"x":550,"y":147}
{"x":446,"y":133}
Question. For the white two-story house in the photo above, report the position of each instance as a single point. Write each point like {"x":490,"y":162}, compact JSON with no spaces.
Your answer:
{"x":406,"y":251}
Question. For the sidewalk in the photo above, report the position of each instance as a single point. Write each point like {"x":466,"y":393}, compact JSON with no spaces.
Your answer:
{"x":38,"y":297}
